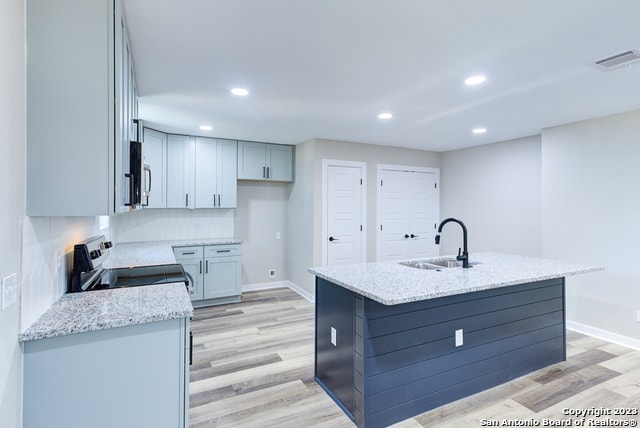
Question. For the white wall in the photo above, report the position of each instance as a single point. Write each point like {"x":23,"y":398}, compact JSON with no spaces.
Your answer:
{"x":12,"y":195}
{"x":300,"y":219}
{"x":47,"y":257}
{"x":305,"y":203}
{"x":496,"y":190}
{"x":168,"y":224}
{"x":262,"y":212}
{"x":591,"y":207}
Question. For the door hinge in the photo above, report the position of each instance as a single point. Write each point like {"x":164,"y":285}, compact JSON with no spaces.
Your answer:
{"x":380,"y":183}
{"x":380,"y":227}
{"x":360,"y":228}
{"x":435,"y":185}
{"x":361,"y":181}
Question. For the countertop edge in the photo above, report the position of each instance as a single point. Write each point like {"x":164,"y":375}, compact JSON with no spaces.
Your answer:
{"x":493,"y":283}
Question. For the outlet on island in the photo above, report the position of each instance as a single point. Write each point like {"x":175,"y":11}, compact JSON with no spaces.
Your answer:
{"x":272,"y":273}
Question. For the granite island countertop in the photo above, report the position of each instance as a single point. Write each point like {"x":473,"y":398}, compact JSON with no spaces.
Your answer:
{"x":120,"y":307}
{"x":391,"y":283}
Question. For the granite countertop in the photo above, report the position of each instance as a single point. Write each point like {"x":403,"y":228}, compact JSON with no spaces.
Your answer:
{"x":119,"y":307}
{"x":391,"y":283}
{"x":103,"y":309}
{"x":155,"y":252}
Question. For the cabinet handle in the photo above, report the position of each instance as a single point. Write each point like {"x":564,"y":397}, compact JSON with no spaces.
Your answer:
{"x":414,"y":236}
{"x":264,"y":174}
{"x":184,"y":253}
{"x":214,"y":200}
{"x":223,"y":251}
{"x":268,"y":172}
{"x":219,"y":204}
{"x":207,"y":267}
{"x":200,"y":266}
{"x":186,"y":200}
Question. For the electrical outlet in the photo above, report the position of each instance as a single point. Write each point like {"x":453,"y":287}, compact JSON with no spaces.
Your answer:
{"x":459,"y":337}
{"x":272,"y":273}
{"x":334,"y":337}
{"x":9,"y":290}
{"x":277,"y":235}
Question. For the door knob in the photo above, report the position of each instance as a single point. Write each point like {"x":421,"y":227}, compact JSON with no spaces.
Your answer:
{"x":406,"y":236}
{"x":331,"y":239}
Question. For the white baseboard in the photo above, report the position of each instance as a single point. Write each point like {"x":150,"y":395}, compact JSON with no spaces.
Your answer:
{"x":279,"y":284}
{"x":616,"y":338}
{"x":308,"y":296}
{"x":265,"y":286}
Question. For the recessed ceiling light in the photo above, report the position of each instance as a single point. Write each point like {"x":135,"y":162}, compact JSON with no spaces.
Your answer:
{"x":206,"y":127}
{"x":475,"y":80}
{"x":479,"y":130}
{"x":385,"y":116}
{"x":241,"y":92}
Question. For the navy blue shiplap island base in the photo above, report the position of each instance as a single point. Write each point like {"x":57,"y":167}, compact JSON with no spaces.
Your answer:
{"x":393,"y":341}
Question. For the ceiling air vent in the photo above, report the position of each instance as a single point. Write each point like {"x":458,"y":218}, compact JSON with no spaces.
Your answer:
{"x":619,"y":60}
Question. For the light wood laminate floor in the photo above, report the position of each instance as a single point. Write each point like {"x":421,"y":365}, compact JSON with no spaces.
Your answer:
{"x":253,"y":367}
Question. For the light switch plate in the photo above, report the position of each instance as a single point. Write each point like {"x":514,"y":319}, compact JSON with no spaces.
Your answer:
{"x":459,"y":337}
{"x":334,"y":339}
{"x":9,"y":291}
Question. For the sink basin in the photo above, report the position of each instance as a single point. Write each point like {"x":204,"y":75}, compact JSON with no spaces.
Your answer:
{"x":447,"y":263}
{"x":435,"y":264}
{"x":421,"y":265}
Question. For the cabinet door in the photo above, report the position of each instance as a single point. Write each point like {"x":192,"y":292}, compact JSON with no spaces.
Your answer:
{"x":180,"y":168}
{"x":279,"y":162}
{"x":226,"y":177}
{"x":195,"y":269}
{"x":222,"y":277}
{"x":155,"y":155}
{"x":206,"y":180}
{"x":251,"y":161}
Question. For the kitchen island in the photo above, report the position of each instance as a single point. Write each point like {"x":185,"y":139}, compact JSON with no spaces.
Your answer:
{"x":393,"y":341}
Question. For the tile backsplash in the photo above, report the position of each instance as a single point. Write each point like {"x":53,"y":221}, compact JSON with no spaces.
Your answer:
{"x":166,"y":224}
{"x":47,"y":254}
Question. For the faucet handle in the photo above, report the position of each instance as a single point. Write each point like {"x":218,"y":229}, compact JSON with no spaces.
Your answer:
{"x":459,"y":253}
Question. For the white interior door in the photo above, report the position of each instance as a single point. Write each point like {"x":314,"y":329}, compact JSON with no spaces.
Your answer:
{"x":344,"y":213}
{"x":394,"y":196}
{"x":408,"y":210}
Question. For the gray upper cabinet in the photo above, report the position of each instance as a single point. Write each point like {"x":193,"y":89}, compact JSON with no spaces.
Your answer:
{"x":180,"y":167}
{"x":216,"y":182}
{"x":155,"y":155}
{"x":262,"y":161}
{"x":80,"y":102}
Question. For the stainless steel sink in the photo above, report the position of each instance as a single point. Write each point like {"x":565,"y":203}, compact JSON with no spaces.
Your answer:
{"x":434,"y":264}
{"x":421,"y":265}
{"x":447,"y":263}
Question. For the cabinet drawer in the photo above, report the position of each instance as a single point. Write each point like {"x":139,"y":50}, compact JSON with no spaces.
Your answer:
{"x":182,"y":253}
{"x":222,"y":250}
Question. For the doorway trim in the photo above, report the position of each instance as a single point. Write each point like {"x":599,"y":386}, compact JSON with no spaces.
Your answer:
{"x":363,"y":202}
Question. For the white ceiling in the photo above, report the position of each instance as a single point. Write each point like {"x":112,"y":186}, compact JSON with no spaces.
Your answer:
{"x":326,"y":68}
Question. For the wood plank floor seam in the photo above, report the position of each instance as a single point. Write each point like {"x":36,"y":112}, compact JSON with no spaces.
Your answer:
{"x":253,"y":367}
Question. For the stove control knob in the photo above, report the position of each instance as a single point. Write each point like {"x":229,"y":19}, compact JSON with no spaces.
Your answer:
{"x":108,"y":244}
{"x":95,"y":254}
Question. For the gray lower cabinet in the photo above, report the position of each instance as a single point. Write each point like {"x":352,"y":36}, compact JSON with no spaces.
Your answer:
{"x":215,"y":271}
{"x":126,"y":377}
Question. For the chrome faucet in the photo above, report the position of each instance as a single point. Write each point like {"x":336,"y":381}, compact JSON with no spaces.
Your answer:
{"x":464,"y":257}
